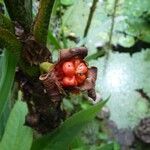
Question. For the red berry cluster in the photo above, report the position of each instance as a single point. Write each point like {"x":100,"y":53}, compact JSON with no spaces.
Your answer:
{"x":75,"y":72}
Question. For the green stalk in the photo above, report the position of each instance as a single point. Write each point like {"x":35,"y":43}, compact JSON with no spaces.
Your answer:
{"x":40,"y":29}
{"x":10,"y":42}
{"x":6,"y":23}
{"x":20,"y":11}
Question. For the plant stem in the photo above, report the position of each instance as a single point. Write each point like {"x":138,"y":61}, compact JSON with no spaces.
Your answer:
{"x":92,"y":10}
{"x":10,"y":42}
{"x":40,"y":29}
{"x":20,"y":11}
{"x":108,"y":47}
{"x":112,"y":23}
{"x":109,"y":44}
{"x":6,"y":23}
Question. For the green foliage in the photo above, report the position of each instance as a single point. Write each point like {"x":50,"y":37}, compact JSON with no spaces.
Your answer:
{"x":53,"y":41}
{"x":7,"y":78}
{"x":111,"y":146}
{"x":12,"y":55}
{"x":10,"y":42}
{"x":20,"y":11}
{"x":62,"y":137}
{"x":67,"y":2}
{"x":40,"y":29}
{"x":17,"y":136}
{"x":4,"y":117}
{"x":78,"y":144}
{"x":6,"y":23}
{"x":138,"y":20}
{"x":10,"y":59}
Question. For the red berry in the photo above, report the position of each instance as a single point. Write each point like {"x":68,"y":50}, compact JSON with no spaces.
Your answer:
{"x":77,"y":62}
{"x":80,"y":78}
{"x":69,"y":81}
{"x":81,"y":69}
{"x":68,"y":68}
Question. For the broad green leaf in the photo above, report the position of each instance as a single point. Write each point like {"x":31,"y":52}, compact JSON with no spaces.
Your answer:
{"x":63,"y":136}
{"x":4,"y":117}
{"x":17,"y":136}
{"x":13,"y":49}
{"x":7,"y":70}
{"x":7,"y":78}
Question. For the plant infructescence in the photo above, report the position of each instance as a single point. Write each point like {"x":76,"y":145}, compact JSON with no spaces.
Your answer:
{"x":25,"y":40}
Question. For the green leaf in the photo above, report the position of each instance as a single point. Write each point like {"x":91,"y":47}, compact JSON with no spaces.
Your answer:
{"x":110,"y":146}
{"x":40,"y":29}
{"x":63,"y":136}
{"x":67,"y":2}
{"x":17,"y":136}
{"x":52,"y":40}
{"x":137,"y":13}
{"x":7,"y":78}
{"x":78,"y":144}
{"x":4,"y":118}
{"x":13,"y":49}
